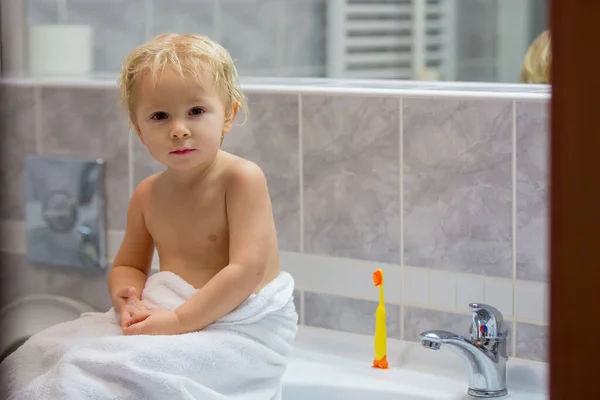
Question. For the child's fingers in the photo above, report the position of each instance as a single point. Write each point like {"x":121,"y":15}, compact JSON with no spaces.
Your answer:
{"x":136,"y":329}
{"x":134,"y":305}
{"x":124,"y":317}
{"x":138,"y":317}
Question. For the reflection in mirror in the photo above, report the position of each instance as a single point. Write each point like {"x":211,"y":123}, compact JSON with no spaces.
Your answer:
{"x":536,"y":65}
{"x":450,"y":40}
{"x":432,"y":40}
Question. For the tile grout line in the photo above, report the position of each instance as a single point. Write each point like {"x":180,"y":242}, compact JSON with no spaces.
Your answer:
{"x":301,"y":173}
{"x":513,"y":344}
{"x":401,"y":182}
{"x":301,"y":201}
{"x":514,"y":223}
{"x":400,"y":177}
{"x":37,"y":107}
{"x":401,"y":321}
{"x":514,"y":190}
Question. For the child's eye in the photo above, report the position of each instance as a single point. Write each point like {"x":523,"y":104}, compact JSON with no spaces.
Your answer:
{"x":159,"y":115}
{"x":196,"y":111}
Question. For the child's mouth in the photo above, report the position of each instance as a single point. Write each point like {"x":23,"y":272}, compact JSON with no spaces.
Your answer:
{"x":182,"y":151}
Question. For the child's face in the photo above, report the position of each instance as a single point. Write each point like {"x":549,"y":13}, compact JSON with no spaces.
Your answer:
{"x":181,"y":121}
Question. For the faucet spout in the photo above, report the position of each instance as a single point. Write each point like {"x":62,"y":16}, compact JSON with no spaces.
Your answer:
{"x":486,"y":360}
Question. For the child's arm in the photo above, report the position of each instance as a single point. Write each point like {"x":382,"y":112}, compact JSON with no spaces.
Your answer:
{"x":134,"y":258}
{"x":250,"y":227}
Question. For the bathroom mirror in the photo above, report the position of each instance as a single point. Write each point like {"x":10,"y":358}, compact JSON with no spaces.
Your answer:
{"x":439,"y":40}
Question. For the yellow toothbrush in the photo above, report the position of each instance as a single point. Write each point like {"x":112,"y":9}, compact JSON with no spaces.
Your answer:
{"x":380,"y":360}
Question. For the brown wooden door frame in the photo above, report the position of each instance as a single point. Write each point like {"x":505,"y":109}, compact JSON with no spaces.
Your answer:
{"x":575,"y":200}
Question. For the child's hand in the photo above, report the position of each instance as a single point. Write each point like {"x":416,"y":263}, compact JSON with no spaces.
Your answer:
{"x":130,"y":307}
{"x":160,"y":322}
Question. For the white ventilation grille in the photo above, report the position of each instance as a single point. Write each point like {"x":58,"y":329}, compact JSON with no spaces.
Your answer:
{"x":387,"y":39}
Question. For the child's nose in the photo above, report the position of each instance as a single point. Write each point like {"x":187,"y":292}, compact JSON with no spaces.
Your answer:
{"x":179,"y":132}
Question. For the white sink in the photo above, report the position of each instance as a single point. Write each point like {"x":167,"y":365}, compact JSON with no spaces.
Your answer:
{"x":314,"y":376}
{"x":330,"y":392}
{"x":326,"y":365}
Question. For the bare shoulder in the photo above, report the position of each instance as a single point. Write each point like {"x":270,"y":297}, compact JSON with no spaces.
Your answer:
{"x":244,"y":175}
{"x":143,"y":190}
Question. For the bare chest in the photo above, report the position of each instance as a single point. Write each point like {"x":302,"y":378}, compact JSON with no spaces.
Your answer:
{"x":188,"y":225}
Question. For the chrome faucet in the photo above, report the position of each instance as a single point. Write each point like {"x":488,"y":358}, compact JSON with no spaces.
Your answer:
{"x":485,"y":352}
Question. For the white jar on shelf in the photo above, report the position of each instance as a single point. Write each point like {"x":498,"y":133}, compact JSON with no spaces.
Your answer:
{"x":60,"y":50}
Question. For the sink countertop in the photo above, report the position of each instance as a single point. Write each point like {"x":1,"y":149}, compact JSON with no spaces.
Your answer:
{"x":339,"y":356}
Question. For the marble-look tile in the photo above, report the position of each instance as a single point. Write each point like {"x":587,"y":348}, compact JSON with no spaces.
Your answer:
{"x":443,"y":289}
{"x":74,"y":120}
{"x":17,"y":139}
{"x":348,"y":314}
{"x":417,"y":320}
{"x":269,"y":137}
{"x":469,"y":289}
{"x":42,"y":12}
{"x":530,"y":300}
{"x":119,"y":27}
{"x":86,"y":123}
{"x":20,"y":279}
{"x":500,"y":294}
{"x":457,"y":185}
{"x":16,"y":278}
{"x":351,"y":177}
{"x":183,"y":16}
{"x":532,"y":191}
{"x":532,"y":342}
{"x":117,"y":168}
{"x":415,"y":286}
{"x":251,"y":31}
{"x":304,"y":33}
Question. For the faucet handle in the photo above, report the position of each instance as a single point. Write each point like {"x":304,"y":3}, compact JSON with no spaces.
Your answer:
{"x":488,"y":322}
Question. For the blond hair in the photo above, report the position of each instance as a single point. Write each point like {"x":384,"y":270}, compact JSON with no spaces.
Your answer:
{"x":538,"y":60}
{"x":188,"y":55}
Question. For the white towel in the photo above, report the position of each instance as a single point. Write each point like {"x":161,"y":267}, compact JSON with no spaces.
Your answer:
{"x":241,"y":356}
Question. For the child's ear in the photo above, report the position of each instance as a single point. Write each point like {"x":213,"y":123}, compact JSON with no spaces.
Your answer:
{"x":231,"y":118}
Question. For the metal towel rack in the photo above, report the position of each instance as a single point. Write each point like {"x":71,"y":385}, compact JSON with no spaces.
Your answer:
{"x":389,"y":39}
